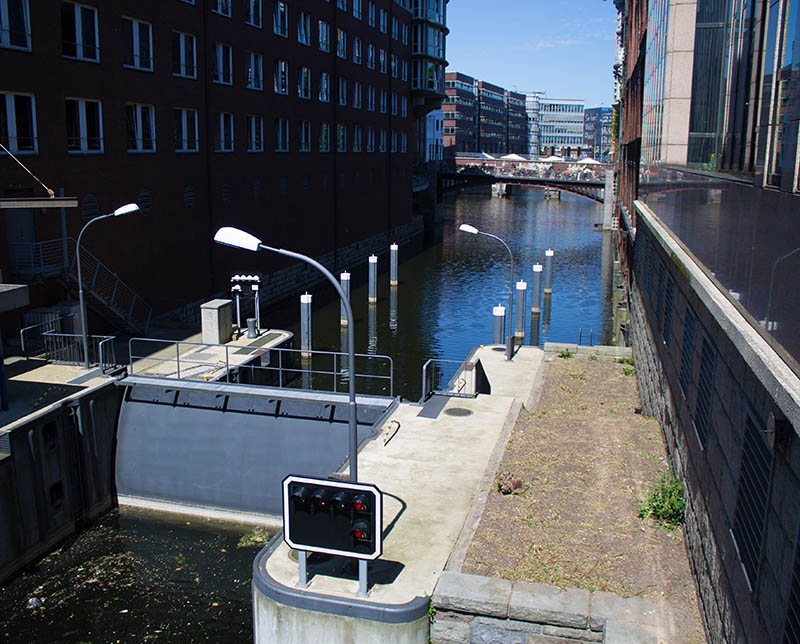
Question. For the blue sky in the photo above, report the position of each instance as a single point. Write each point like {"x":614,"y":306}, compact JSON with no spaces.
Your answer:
{"x":562,"y":47}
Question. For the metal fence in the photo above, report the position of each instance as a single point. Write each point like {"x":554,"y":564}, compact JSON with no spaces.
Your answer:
{"x":31,"y":337}
{"x":274,"y":366}
{"x":448,"y":377}
{"x":67,"y":348}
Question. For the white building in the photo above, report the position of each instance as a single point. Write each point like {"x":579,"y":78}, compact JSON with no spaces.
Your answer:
{"x":560,"y":126}
{"x":433,"y":136}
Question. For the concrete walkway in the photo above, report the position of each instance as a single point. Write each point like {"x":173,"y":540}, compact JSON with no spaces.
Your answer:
{"x":433,"y":466}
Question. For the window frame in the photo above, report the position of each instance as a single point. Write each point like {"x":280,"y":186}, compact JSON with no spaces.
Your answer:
{"x":324,"y":137}
{"x":10,"y":107}
{"x":341,"y":94}
{"x":139,"y":122}
{"x":79,"y":45}
{"x":220,"y":142}
{"x":304,"y":28}
{"x":280,"y":19}
{"x":252,"y":7}
{"x":255,"y":133}
{"x":356,"y":138}
{"x":357,"y":50}
{"x":341,"y":43}
{"x":280,"y":79}
{"x":83,"y":134}
{"x":5,"y":33}
{"x":357,"y":95}
{"x":357,"y":9}
{"x":324,"y":33}
{"x":371,"y":13}
{"x":182,"y":39}
{"x":220,"y":8}
{"x":254,"y":59}
{"x":324,"y":87}
{"x":304,"y":142}
{"x":185,"y":139}
{"x":370,"y":56}
{"x":137,"y":44}
{"x":219,"y":64}
{"x":304,"y":88}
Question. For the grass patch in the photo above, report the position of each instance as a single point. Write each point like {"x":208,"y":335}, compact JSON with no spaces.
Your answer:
{"x":665,"y":504}
{"x":565,"y":353}
{"x":257,"y":536}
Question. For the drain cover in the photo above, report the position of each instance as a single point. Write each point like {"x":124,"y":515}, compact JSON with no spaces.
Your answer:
{"x":457,"y":411}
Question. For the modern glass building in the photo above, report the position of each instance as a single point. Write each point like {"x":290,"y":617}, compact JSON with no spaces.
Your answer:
{"x":560,"y":126}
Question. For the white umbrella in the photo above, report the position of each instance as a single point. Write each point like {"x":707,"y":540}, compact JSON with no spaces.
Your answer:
{"x":552,"y":159}
{"x":513,"y":157}
{"x":589,"y":161}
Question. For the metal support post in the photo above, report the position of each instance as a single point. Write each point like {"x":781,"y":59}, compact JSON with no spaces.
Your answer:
{"x":302,"y":570}
{"x":362,"y":578}
{"x":305,"y":324}
{"x":373,"y":279}
{"x":344,"y":279}
{"x":498,"y":324}
{"x":519,"y":313}
{"x":393,"y":265}
{"x":548,"y":271}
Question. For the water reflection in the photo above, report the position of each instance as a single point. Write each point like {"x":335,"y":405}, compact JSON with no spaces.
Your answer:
{"x":442,"y":307}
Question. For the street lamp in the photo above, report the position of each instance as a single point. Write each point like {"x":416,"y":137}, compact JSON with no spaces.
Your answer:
{"x":240,"y":239}
{"x":768,"y":324}
{"x":466,"y":228}
{"x":122,"y":210}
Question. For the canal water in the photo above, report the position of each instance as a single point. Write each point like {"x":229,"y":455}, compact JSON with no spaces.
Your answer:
{"x":134,"y":577}
{"x":442,"y":307}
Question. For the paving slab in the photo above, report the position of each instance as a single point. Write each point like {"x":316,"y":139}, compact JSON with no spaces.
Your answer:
{"x":549,"y":604}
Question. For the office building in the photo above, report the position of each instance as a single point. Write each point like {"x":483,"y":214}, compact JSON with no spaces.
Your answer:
{"x":597,"y":132}
{"x":560,"y":127}
{"x":293,"y":120}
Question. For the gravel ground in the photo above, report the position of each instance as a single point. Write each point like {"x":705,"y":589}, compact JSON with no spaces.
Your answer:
{"x":574,"y":472}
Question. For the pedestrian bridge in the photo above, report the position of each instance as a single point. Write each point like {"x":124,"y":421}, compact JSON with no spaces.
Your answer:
{"x":449,"y":181}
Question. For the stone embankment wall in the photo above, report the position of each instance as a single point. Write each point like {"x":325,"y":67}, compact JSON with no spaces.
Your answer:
{"x":300,"y":276}
{"x":56,"y":472}
{"x":728,"y":408}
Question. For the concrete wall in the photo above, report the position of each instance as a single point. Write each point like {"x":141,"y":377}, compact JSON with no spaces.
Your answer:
{"x":729,"y":409}
{"x":55,"y":473}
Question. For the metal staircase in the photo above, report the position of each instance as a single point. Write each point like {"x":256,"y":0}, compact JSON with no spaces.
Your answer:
{"x":104,"y":291}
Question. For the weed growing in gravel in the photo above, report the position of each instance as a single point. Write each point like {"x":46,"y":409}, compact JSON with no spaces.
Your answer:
{"x":625,"y":361}
{"x":628,"y":371}
{"x":565,"y":353}
{"x":665,"y":504}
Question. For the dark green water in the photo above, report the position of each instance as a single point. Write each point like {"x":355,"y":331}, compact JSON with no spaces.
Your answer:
{"x":136,"y":577}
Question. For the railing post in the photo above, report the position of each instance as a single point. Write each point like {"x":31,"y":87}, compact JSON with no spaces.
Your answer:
{"x":178,"y":359}
{"x":114,"y":292}
{"x":227,"y":366}
{"x":94,"y":277}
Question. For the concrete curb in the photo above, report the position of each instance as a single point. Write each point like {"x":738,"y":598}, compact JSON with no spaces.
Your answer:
{"x":600,"y":350}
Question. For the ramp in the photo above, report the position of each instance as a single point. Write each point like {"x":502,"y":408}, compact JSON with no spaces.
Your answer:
{"x":228,"y":446}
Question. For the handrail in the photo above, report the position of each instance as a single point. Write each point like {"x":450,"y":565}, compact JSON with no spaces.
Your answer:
{"x":448,"y":382}
{"x":67,"y":348}
{"x":32,"y":259}
{"x":224,"y":364}
{"x":52,"y":324}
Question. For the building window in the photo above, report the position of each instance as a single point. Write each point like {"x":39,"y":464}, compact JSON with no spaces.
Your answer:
{"x":183,"y":55}
{"x":304,"y":82}
{"x":341,"y":138}
{"x":394,"y":104}
{"x":305,"y":136}
{"x":357,"y":9}
{"x":304,"y":28}
{"x":342,"y":94}
{"x":137,"y":40}
{"x":357,"y":50}
{"x":224,"y":135}
{"x":281,"y":77}
{"x":324,"y":137}
{"x":383,"y":101}
{"x":371,"y":14}
{"x":403,"y":106}
{"x":370,"y":139}
{"x":342,"y":4}
{"x":383,"y":21}
{"x":370,"y":98}
{"x":341,"y":43}
{"x":382,"y":147}
{"x":140,"y":126}
{"x":280,"y":19}
{"x":357,"y":94}
{"x":403,"y":142}
{"x":394,"y":141}
{"x":404,"y":73}
{"x":382,"y":61}
{"x":324,"y":36}
{"x":371,"y":56}
{"x":18,"y":123}
{"x":223,"y":64}
{"x":84,"y":125}
{"x":79,"y":32}
{"x":405,"y":33}
{"x":324,"y":87}
{"x":281,"y":135}
{"x":254,"y":77}
{"x":395,"y":28}
{"x":252,"y":13}
{"x":15,"y":24}
{"x":185,"y":130}
{"x":393,"y":66}
{"x":357,"y":138}
{"x":222,"y":7}
{"x":255,"y":133}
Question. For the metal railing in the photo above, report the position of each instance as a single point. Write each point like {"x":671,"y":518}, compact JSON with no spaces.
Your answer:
{"x":274,"y":366}
{"x":67,"y":348}
{"x":37,"y":259}
{"x":448,"y":377}
{"x":31,"y":337}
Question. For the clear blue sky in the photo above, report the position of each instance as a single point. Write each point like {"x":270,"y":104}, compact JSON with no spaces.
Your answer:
{"x":565,"y":48}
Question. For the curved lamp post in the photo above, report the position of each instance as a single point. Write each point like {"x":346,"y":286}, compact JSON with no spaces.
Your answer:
{"x":466,"y":228}
{"x":767,"y":321}
{"x":122,"y":210}
{"x":240,"y":239}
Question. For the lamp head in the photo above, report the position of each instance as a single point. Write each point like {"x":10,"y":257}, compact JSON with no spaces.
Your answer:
{"x":229,"y":236}
{"x":466,"y":228}
{"x":126,"y":209}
